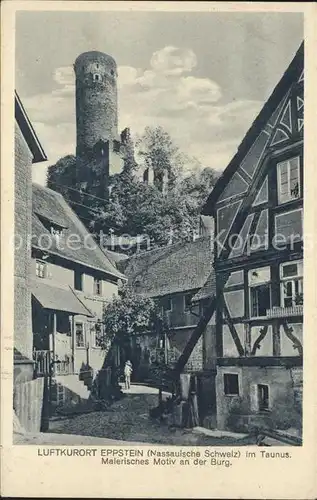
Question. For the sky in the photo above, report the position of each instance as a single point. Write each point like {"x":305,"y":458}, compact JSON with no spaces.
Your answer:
{"x":202,"y":76}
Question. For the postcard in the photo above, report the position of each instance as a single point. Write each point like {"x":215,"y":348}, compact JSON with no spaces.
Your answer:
{"x":158,"y":233}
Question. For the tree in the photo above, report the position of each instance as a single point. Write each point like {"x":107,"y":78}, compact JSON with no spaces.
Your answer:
{"x":197,"y":186}
{"x":63,"y":174}
{"x":158,"y":152}
{"x":129,"y":314}
{"x":133,"y":207}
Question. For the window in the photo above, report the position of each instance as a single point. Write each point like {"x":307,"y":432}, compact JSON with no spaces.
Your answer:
{"x":96,"y":78}
{"x":167,"y":305}
{"x":291,"y":275}
{"x":97,"y":334}
{"x":187,"y":302}
{"x":40,"y":269}
{"x":288,"y":227}
{"x":260,"y":291}
{"x":78,"y":280}
{"x":288,"y":180}
{"x":263,"y":397}
{"x":231,"y":384}
{"x":97,"y":286}
{"x":56,"y":232}
{"x":80,"y":336}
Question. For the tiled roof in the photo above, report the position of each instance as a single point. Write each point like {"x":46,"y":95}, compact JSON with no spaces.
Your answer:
{"x":81,"y":248}
{"x":171,"y":269}
{"x":208,"y":290}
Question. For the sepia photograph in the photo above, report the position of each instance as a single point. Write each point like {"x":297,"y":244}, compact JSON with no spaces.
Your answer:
{"x":158,"y":228}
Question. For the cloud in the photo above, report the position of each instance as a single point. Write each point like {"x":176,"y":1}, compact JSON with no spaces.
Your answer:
{"x":167,"y":93}
{"x":173,"y":61}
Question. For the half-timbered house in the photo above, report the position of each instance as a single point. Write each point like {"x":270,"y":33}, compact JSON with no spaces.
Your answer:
{"x":257,"y":205}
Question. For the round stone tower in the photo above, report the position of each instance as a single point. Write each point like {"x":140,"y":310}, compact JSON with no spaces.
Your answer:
{"x":96,"y":100}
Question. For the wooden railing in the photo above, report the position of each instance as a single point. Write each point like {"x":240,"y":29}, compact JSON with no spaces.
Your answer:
{"x":63,"y":367}
{"x":42,"y":361}
{"x":283,"y":312}
{"x":44,"y":365}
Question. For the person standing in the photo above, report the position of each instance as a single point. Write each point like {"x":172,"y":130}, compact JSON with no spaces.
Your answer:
{"x":127,"y":374}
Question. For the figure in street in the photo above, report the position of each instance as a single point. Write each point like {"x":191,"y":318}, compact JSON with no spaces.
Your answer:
{"x":127,"y":374}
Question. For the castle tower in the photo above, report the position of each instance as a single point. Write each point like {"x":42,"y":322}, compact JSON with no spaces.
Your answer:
{"x":96,"y":102}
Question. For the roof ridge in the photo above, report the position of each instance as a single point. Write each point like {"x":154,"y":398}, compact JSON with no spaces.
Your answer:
{"x":254,"y":129}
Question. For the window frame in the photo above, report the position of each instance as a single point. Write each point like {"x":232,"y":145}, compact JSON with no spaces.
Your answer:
{"x":267,"y":282}
{"x":187,"y":309}
{"x":267,"y":406}
{"x":281,"y":214}
{"x":93,"y":332}
{"x":279,"y":183}
{"x":99,"y":287}
{"x":226,"y":386}
{"x":83,"y":333}
{"x":79,"y":274}
{"x":42,"y":263}
{"x":299,"y":277}
{"x":171,"y":305}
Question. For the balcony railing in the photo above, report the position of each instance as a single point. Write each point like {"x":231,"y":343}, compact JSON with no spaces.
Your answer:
{"x":283,"y":312}
{"x":44,"y":365}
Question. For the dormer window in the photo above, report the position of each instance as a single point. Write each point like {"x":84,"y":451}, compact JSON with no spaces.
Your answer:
{"x":55,"y":229}
{"x":56,"y":232}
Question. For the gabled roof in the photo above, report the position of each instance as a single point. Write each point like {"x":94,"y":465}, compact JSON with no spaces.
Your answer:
{"x":290,"y":75}
{"x":172,"y":269}
{"x":28,"y":131}
{"x":50,"y":206}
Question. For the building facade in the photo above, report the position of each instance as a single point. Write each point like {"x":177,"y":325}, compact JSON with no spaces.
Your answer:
{"x":172,"y":276}
{"x":71,"y":281}
{"x":257,"y":205}
{"x":28,"y":150}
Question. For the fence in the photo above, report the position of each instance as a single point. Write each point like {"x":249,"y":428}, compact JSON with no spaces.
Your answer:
{"x":28,"y":400}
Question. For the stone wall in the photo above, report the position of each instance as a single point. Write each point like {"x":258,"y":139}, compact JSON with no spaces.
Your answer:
{"x":241,"y":412}
{"x":23,"y":338}
{"x":96,"y":99}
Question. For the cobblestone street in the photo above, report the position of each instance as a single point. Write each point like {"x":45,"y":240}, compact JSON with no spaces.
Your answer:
{"x":128,"y":420}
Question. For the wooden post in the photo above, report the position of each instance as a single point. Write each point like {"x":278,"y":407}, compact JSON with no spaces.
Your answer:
{"x":276,"y":338}
{"x":54,"y":329}
{"x":165,"y":348}
{"x":72,"y":329}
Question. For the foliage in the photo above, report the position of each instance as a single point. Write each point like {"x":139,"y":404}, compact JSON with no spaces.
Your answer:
{"x":129,"y":314}
{"x":62,"y":174}
{"x":134,"y":207}
{"x":158,"y":152}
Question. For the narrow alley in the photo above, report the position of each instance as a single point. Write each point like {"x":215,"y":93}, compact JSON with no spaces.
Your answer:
{"x":128,"y":420}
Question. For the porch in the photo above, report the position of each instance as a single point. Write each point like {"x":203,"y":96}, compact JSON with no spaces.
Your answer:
{"x":56,"y":335}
